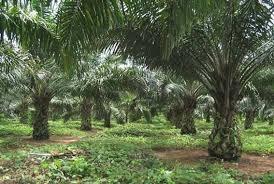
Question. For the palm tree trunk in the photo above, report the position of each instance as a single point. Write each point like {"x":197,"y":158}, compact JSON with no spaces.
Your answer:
{"x":207,"y":114}
{"x":23,"y":111}
{"x":107,"y":122}
{"x":86,"y":108}
{"x":187,"y":121}
{"x":224,"y":140}
{"x":249,"y":119}
{"x":40,"y":122}
{"x":174,"y":115}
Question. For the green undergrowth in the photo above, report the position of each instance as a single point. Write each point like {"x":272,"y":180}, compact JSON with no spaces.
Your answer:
{"x":117,"y":161}
{"x":259,"y":139}
{"x":14,"y":134}
{"x":122,"y":154}
{"x":156,"y":136}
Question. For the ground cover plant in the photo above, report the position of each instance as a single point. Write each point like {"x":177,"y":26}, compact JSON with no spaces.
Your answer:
{"x":136,"y":91}
{"x":124,"y":154}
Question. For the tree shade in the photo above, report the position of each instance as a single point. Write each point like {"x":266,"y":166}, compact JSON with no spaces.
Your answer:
{"x":225,"y":51}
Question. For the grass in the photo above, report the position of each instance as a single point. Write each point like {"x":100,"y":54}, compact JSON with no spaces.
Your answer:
{"x":122,"y":154}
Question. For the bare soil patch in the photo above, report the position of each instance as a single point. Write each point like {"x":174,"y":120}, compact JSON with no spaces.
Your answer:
{"x":249,"y":164}
{"x":57,"y":139}
{"x":53,"y":139}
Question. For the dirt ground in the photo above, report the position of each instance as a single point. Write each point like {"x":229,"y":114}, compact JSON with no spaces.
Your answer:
{"x":53,"y":139}
{"x":249,"y":164}
{"x":57,"y":139}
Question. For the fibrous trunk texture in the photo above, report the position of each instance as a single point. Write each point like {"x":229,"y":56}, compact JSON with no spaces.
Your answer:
{"x":173,"y":115}
{"x":249,"y":119}
{"x":187,"y":122}
{"x":86,"y":108}
{"x":224,"y":140}
{"x":40,"y":121}
{"x":182,"y":115}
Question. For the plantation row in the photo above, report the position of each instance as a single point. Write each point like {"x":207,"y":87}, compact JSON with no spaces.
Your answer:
{"x":126,"y":61}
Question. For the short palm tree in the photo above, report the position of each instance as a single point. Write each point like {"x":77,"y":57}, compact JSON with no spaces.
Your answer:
{"x":64,"y":106}
{"x":12,"y":63}
{"x":181,"y":112}
{"x":263,"y":82}
{"x":269,"y":115}
{"x":206,"y":106}
{"x":250,"y":104}
{"x":100,"y":82}
{"x":42,"y":82}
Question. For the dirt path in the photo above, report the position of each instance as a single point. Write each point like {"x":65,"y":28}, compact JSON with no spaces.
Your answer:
{"x":249,"y":164}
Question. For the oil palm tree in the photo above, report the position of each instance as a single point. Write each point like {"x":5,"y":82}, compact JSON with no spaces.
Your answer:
{"x":206,"y":106}
{"x":24,"y":25}
{"x":42,"y":81}
{"x":263,"y":82}
{"x":23,"y":109}
{"x":225,"y":50}
{"x":12,"y":63}
{"x":232,"y":52}
{"x":269,"y":115}
{"x":250,"y":104}
{"x":100,"y":82}
{"x":64,"y":106}
{"x":181,"y":112}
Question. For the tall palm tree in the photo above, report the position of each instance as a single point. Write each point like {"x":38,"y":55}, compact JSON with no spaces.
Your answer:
{"x":225,"y":51}
{"x":232,"y":52}
{"x":31,"y":25}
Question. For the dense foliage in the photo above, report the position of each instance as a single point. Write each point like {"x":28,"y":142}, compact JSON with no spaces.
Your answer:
{"x":139,"y":76}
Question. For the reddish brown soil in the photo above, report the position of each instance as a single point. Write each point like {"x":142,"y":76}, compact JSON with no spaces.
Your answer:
{"x":56,"y":139}
{"x":249,"y":164}
{"x":52,"y":140}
